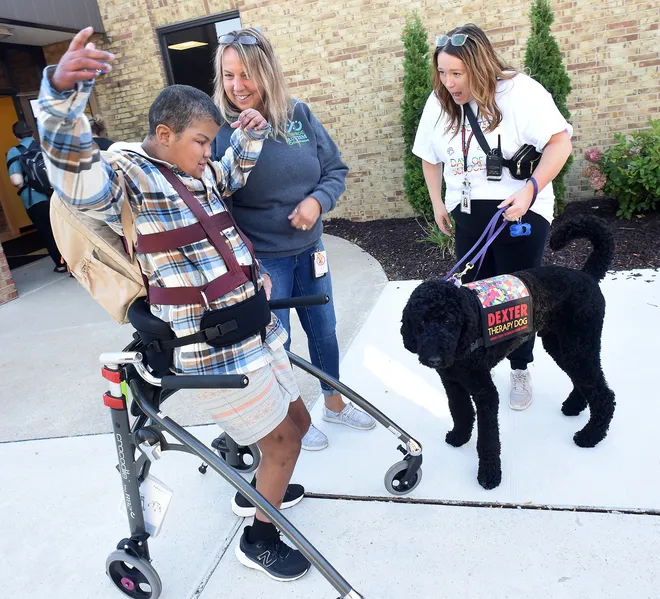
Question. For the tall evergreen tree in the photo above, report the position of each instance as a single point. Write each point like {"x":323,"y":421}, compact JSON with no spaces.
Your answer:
{"x":417,"y":86}
{"x":543,"y":60}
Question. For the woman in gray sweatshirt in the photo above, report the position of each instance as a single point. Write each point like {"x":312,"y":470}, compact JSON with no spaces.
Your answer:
{"x":299,"y":176}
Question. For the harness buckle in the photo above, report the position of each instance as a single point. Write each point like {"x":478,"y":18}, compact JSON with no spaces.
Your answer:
{"x":221,"y":330}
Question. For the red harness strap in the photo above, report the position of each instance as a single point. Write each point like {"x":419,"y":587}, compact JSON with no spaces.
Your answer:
{"x":176,"y":238}
{"x":209,"y":227}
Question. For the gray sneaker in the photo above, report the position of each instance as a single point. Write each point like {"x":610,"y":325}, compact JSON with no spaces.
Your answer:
{"x":350,"y":416}
{"x":520,"y":394}
{"x":314,"y":440}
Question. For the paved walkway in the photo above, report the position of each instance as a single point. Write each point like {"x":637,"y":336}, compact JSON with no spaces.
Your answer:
{"x":60,"y":505}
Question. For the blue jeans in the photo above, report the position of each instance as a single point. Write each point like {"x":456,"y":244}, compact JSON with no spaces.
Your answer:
{"x":293,"y":276}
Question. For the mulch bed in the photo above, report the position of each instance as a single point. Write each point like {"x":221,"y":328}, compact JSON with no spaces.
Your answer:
{"x":395,"y":242}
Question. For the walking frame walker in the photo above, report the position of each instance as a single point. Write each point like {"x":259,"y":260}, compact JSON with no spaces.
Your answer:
{"x":142,"y":441}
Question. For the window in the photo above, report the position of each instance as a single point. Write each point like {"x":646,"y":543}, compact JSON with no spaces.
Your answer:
{"x":188,"y":49}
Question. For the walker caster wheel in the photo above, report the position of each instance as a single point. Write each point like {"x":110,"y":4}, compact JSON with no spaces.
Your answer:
{"x":241,"y":458}
{"x":133,"y":576}
{"x":394,"y":479}
{"x":203,"y":468}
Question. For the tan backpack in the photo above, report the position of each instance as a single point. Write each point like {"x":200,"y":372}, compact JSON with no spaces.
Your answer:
{"x":96,"y":256}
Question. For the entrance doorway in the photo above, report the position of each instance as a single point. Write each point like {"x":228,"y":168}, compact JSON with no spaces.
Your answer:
{"x":188,"y":49}
{"x":15,"y":217}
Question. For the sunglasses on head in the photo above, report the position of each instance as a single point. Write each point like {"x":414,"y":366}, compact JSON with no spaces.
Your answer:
{"x":458,"y":39}
{"x":245,"y":40}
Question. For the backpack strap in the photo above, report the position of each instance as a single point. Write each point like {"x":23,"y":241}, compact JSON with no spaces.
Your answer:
{"x":127,"y":219}
{"x":21,"y":149}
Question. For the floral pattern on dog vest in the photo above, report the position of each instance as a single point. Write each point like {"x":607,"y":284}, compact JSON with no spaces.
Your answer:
{"x":506,"y":308}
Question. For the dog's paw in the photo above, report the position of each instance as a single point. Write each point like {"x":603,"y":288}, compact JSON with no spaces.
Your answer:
{"x":572,"y":409}
{"x":457,"y":438}
{"x":588,"y":438}
{"x":489,"y":476}
{"x":573,"y":405}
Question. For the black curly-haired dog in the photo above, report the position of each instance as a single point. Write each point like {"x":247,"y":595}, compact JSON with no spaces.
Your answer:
{"x":441,"y":322}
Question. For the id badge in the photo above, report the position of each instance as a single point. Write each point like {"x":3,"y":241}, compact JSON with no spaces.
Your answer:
{"x":320,"y":264}
{"x":466,"y":200}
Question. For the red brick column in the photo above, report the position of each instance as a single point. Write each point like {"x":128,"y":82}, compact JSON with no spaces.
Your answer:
{"x":7,"y":289}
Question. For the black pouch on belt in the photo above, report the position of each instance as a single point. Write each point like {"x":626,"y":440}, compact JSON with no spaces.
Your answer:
{"x":226,"y":326}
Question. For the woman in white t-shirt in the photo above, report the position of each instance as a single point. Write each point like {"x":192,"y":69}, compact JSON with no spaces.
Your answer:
{"x":511,"y":109}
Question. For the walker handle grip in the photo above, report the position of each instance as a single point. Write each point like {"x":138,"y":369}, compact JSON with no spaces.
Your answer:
{"x":204,"y":381}
{"x":298,"y":302}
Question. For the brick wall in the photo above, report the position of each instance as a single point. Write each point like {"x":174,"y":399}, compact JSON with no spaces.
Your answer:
{"x":344,"y":57}
{"x":7,"y":289}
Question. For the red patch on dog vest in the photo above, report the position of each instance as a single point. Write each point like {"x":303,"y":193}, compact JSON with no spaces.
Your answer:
{"x":506,"y":308}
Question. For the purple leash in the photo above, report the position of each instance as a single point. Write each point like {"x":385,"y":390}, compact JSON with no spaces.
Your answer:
{"x":490,"y":234}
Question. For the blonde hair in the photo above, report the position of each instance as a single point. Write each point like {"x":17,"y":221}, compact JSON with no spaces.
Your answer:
{"x":262,"y":66}
{"x":484,"y":70}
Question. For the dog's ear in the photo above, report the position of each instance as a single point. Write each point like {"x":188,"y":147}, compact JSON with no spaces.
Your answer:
{"x":408,"y":335}
{"x":470,"y":331}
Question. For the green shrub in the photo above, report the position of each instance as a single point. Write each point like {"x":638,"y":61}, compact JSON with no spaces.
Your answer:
{"x":544,"y":62}
{"x":632,"y":170}
{"x":417,"y":86}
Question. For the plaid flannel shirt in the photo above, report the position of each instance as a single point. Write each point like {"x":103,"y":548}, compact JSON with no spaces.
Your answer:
{"x":87,"y":179}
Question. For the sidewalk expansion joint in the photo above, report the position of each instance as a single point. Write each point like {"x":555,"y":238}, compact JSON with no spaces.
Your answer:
{"x":215,"y":562}
{"x":485,"y":504}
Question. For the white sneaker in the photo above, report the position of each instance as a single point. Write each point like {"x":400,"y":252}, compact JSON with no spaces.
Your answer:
{"x":314,"y":439}
{"x":520,"y":393}
{"x":350,"y":416}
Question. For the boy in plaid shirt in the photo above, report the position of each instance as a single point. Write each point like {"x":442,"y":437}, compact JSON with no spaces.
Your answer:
{"x":183,"y":122}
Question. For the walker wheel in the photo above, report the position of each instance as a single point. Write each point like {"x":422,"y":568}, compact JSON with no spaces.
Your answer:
{"x":248,"y":456}
{"x":394,"y":479}
{"x":133,"y":576}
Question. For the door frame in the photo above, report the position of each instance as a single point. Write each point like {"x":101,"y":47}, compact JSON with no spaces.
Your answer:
{"x":183,"y":25}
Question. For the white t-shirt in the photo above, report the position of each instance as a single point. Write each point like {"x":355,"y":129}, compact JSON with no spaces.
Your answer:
{"x":529,"y":116}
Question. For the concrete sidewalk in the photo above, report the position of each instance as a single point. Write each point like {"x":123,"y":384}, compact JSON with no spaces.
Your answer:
{"x":61,"y":512}
{"x":52,"y":336}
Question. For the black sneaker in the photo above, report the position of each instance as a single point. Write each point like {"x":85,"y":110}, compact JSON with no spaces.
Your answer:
{"x":273,"y":557}
{"x":242,"y":507}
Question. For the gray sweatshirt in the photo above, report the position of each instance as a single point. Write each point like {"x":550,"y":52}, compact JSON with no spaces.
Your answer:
{"x":306,"y":163}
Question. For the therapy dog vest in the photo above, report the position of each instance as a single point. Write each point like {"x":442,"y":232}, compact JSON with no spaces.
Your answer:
{"x":506,"y":309}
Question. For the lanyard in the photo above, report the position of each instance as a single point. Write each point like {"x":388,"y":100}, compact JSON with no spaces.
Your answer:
{"x":466,"y":148}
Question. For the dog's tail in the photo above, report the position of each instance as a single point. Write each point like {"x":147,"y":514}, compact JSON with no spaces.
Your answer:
{"x":597,"y":232}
